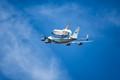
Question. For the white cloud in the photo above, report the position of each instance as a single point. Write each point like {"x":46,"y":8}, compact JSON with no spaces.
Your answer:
{"x":77,"y":14}
{"x":61,"y":15}
{"x":68,"y":12}
{"x":23,"y":56}
{"x":113,"y":17}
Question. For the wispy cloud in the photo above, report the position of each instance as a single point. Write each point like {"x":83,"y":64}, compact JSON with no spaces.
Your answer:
{"x":68,"y":12}
{"x":113,"y":17}
{"x":75,"y":13}
{"x":23,"y":57}
{"x":63,"y":14}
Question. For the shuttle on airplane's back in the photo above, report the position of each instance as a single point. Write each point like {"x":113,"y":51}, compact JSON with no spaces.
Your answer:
{"x":64,"y":32}
{"x":69,"y":39}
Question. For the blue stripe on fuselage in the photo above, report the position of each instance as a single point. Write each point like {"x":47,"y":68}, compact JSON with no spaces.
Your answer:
{"x":62,"y":40}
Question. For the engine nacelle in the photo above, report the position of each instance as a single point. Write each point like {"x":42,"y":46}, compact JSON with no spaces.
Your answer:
{"x":68,"y":44}
{"x":87,"y":38}
{"x":47,"y":41}
{"x":80,"y":43}
{"x":43,"y":39}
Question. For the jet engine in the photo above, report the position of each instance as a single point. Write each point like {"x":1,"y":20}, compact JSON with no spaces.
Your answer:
{"x":80,"y":43}
{"x":47,"y":41}
{"x":87,"y":38}
{"x":68,"y":44}
{"x":43,"y":39}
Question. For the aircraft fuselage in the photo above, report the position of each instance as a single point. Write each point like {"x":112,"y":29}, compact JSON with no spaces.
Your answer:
{"x":60,"y":40}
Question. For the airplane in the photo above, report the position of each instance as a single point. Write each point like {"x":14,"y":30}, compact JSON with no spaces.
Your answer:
{"x":64,"y":40}
{"x":63,"y":32}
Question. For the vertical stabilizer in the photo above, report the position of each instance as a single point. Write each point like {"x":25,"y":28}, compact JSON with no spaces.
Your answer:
{"x":67,"y":26}
{"x":75,"y":34}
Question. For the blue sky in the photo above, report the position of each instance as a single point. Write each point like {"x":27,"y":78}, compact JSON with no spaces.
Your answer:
{"x":24,"y":57}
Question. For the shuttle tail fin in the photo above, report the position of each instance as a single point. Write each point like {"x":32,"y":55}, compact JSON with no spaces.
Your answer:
{"x":67,"y":26}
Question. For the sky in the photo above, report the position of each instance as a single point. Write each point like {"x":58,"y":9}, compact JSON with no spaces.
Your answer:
{"x":23,"y":56}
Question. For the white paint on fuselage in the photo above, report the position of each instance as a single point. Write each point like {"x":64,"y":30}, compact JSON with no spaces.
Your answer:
{"x":60,"y":40}
{"x":63,"y":32}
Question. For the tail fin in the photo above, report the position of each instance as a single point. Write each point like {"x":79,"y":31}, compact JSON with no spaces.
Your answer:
{"x":67,"y":26}
{"x":75,"y":34}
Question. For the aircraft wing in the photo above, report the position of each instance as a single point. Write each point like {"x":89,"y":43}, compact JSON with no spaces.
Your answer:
{"x":81,"y":38}
{"x":45,"y":37}
{"x":80,"y":42}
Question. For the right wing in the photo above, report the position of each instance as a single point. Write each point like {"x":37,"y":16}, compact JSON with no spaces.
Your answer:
{"x":80,"y":42}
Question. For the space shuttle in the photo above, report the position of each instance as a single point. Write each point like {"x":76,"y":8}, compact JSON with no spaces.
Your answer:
{"x":64,"y":32}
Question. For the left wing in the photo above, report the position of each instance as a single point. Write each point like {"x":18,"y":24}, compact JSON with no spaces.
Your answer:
{"x":44,"y":36}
